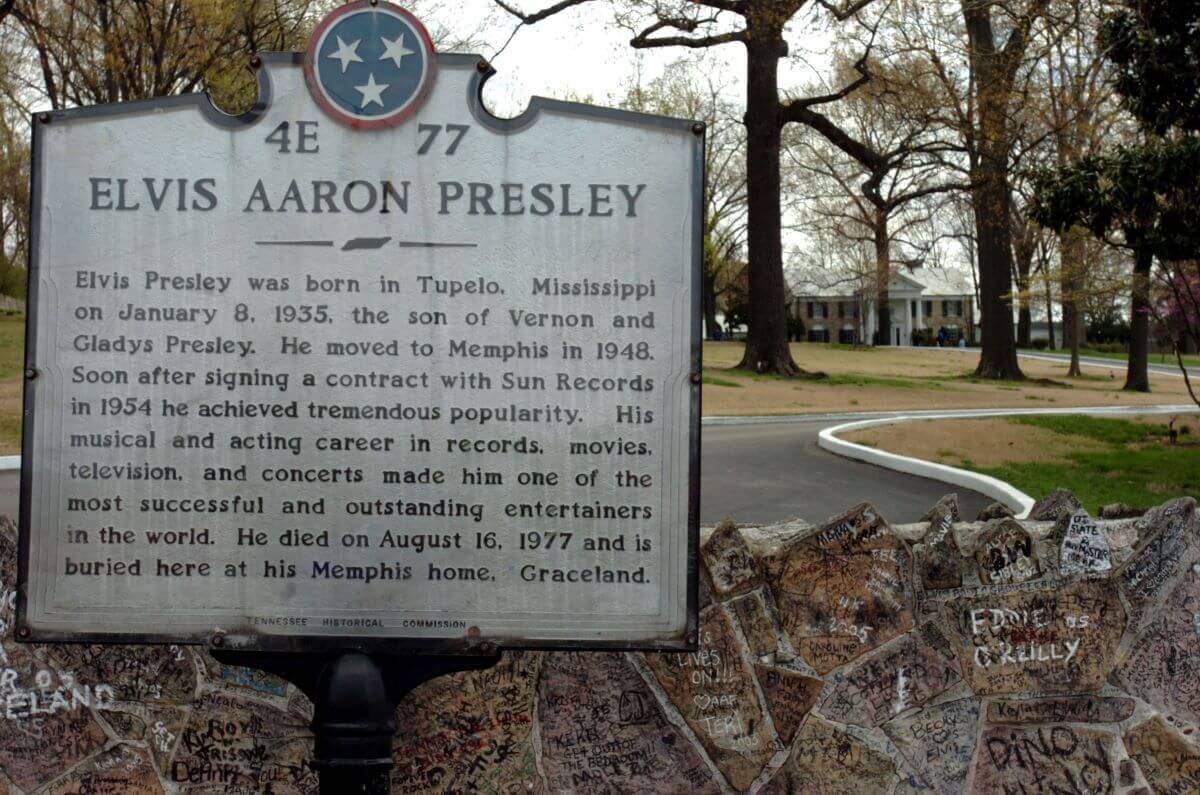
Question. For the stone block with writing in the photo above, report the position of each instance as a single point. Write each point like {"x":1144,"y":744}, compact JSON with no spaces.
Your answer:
{"x":939,"y":560}
{"x":1083,"y":547}
{"x":1166,"y":548}
{"x":47,"y":725}
{"x":288,"y":770}
{"x":843,"y":590}
{"x":1005,"y":553}
{"x":122,"y":770}
{"x":828,"y":761}
{"x":790,"y":695}
{"x":904,"y":674}
{"x":158,"y":726}
{"x":731,"y":566}
{"x":946,"y":505}
{"x":144,"y":673}
{"x":470,"y":729}
{"x":1162,"y":664}
{"x":1069,"y":709}
{"x":229,"y":743}
{"x":939,"y":742}
{"x":1053,"y":758}
{"x":251,"y":680}
{"x":1169,"y":762}
{"x":1053,"y":505}
{"x":713,"y":689}
{"x":755,"y":613}
{"x":602,"y":730}
{"x":1056,"y":641}
{"x":994,"y":511}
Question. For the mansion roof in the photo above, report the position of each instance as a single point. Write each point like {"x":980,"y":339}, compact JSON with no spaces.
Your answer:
{"x":905,"y":283}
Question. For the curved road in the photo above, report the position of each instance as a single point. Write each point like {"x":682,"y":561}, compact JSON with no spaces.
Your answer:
{"x":768,"y":472}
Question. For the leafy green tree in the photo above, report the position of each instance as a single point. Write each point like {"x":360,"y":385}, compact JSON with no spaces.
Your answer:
{"x":1143,"y":196}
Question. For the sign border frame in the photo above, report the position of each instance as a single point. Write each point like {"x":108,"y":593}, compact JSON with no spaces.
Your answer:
{"x":241,"y":637}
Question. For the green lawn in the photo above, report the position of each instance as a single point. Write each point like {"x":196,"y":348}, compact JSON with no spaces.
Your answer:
{"x":1137,"y":466}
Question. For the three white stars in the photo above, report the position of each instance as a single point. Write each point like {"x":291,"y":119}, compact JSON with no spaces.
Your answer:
{"x":347,"y":53}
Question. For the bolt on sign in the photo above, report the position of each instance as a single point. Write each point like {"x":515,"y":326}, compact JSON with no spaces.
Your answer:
{"x":364,"y":362}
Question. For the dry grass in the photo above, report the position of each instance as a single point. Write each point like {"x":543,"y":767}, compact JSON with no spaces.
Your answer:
{"x":898,"y":379}
{"x":10,"y":416}
{"x":985,"y":443}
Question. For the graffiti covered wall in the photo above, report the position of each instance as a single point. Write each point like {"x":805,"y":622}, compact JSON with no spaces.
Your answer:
{"x":1051,"y":656}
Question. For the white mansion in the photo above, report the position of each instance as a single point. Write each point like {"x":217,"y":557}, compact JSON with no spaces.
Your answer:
{"x":922,"y":299}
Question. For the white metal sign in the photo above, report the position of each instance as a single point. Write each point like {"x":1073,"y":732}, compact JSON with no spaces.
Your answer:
{"x":365,"y":362}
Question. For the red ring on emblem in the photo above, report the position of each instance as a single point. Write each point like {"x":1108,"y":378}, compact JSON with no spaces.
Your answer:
{"x":337,"y":114}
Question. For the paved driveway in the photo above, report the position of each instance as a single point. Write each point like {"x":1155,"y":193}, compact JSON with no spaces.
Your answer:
{"x":775,"y":471}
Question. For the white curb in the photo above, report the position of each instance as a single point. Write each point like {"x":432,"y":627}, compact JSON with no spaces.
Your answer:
{"x":1018,"y":501}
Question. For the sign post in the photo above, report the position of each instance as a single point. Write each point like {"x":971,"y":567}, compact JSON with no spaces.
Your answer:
{"x":361,"y":373}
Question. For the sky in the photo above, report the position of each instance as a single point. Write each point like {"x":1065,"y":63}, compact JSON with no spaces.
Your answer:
{"x":580,"y":53}
{"x":583,"y":54}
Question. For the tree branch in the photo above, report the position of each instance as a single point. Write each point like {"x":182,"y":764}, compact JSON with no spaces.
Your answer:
{"x":845,"y":11}
{"x":538,"y":16}
{"x":645,"y":40}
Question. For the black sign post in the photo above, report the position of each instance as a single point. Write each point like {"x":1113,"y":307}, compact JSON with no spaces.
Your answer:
{"x":355,"y":695}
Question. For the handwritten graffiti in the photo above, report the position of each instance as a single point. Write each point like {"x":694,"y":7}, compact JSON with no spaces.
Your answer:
{"x":1045,"y":759}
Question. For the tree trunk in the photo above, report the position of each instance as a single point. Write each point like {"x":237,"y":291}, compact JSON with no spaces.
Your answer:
{"x":1071,"y":281}
{"x":1024,"y":318}
{"x":883,"y":276}
{"x":992,"y":73}
{"x":1023,"y":259}
{"x":1049,"y":310}
{"x":990,"y":198}
{"x":110,"y":80}
{"x":767,"y":340}
{"x":1137,"y":376}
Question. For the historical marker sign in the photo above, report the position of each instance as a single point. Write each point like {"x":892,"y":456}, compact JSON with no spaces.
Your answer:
{"x":366,"y":362}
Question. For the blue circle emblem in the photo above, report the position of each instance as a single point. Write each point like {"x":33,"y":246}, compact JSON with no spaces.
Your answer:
{"x":370,"y":65}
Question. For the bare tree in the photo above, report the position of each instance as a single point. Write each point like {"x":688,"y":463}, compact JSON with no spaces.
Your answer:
{"x":759,"y":26}
{"x":979,"y":52}
{"x":97,"y":51}
{"x":897,"y":149}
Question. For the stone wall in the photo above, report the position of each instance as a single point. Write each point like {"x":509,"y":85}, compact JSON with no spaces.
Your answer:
{"x":1054,"y":656}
